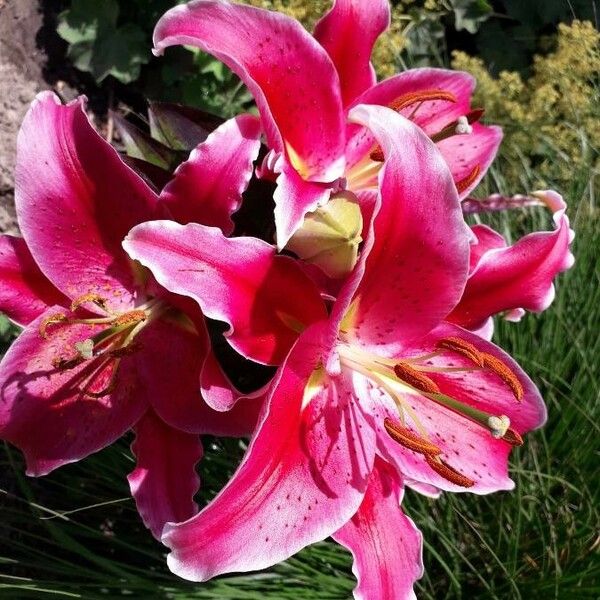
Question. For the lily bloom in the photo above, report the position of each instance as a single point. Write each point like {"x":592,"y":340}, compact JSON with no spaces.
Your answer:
{"x":380,"y":393}
{"x":304,"y":86}
{"x":105,"y":349}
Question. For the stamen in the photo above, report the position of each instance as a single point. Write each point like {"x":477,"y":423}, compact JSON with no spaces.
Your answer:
{"x":415,"y":379}
{"x":377,"y":155}
{"x":505,"y":373}
{"x":51,"y":320}
{"x":475,"y":115}
{"x":466,"y":183}
{"x":91,"y":297}
{"x":125,"y":350}
{"x":64,"y":364}
{"x":499,"y":426}
{"x":131,"y":317}
{"x":449,"y":473}
{"x":407,"y":438}
{"x":461,"y":347}
{"x":513,"y":437}
{"x":406,"y":100}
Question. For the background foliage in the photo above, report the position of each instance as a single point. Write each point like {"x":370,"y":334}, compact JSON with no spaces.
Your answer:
{"x":76,"y":534}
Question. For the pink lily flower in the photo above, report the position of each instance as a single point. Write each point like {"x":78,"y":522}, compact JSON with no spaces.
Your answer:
{"x":105,"y":349}
{"x":304,"y":86}
{"x":379,"y":394}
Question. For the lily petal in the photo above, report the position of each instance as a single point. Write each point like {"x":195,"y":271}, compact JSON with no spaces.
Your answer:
{"x":518,"y":276}
{"x":290,"y":75}
{"x":303,"y":476}
{"x":485,"y":239}
{"x":48,"y":413}
{"x":164,"y":480}
{"x":420,"y":239}
{"x":385,"y":543}
{"x":266,"y":299}
{"x":208,"y":187}
{"x":348,"y":32}
{"x":25,"y":292}
{"x":294,"y":197}
{"x":76,"y":200}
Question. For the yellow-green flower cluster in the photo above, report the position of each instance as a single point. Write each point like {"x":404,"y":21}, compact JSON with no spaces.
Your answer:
{"x":552,"y":120}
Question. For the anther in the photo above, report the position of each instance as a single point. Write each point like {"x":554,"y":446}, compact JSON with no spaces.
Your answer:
{"x":91,"y":297}
{"x":133,"y":316}
{"x":407,"y":438}
{"x":407,"y":100}
{"x":125,"y":350}
{"x":462,"y":347}
{"x":415,"y":379}
{"x":64,"y":364}
{"x":51,"y":320}
{"x":499,"y":426}
{"x":449,"y":473}
{"x":513,"y":437}
{"x":467,"y":181}
{"x":505,"y":373}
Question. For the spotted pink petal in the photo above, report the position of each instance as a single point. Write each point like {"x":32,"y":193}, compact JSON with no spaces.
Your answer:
{"x":266,"y":299}
{"x":294,"y":82}
{"x":432,"y":116}
{"x":466,"y":445}
{"x":47,"y":412}
{"x":76,"y":200}
{"x":294,"y":197}
{"x":385,"y":543}
{"x":348,"y":32}
{"x":208,"y":187}
{"x":416,"y":270}
{"x":518,"y":276}
{"x":303,"y":476}
{"x":164,"y":480}
{"x":25,"y":293}
{"x":469,"y":154}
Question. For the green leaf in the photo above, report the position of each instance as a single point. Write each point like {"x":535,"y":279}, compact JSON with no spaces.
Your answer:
{"x":86,"y":19}
{"x":469,"y":14}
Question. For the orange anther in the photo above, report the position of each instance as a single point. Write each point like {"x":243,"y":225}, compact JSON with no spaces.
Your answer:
{"x":411,"y":98}
{"x":415,"y":379}
{"x":513,"y":437}
{"x":505,"y":373}
{"x":91,"y":297}
{"x":449,"y":473}
{"x":133,"y":316}
{"x":52,"y":320}
{"x":467,"y":181}
{"x":462,"y":347}
{"x":407,"y":438}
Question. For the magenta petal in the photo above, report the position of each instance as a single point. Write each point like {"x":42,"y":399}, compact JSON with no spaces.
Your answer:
{"x":46,"y":412}
{"x":348,"y":32}
{"x":417,"y":267}
{"x":294,"y":197}
{"x":25,"y":292}
{"x":164,"y":480}
{"x":208,"y":187}
{"x":486,"y":239}
{"x":266,"y":299}
{"x":518,"y":276}
{"x":385,"y":543}
{"x":303,"y":476}
{"x":291,"y":77}
{"x":76,"y":200}
{"x":471,"y":153}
